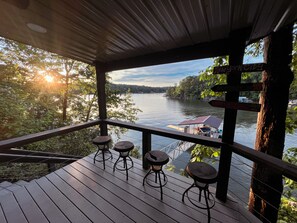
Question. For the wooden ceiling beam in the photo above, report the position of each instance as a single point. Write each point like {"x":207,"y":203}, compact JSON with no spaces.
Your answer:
{"x":198,"y":51}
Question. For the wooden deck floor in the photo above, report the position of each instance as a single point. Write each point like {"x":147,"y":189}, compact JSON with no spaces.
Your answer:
{"x":84,"y":192}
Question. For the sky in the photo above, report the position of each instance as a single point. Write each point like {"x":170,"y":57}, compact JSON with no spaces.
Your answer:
{"x":167,"y":74}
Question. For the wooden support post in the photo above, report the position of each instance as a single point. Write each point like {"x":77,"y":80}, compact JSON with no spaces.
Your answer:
{"x":233,"y":79}
{"x":51,"y":167}
{"x":101,"y":82}
{"x":146,"y":147}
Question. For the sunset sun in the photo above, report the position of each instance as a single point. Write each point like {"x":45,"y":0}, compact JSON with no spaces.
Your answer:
{"x":49,"y":78}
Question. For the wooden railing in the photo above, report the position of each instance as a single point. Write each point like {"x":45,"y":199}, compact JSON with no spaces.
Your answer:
{"x":277,"y":165}
{"x":9,"y":154}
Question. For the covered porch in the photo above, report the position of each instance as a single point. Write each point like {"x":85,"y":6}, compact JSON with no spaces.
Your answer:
{"x":114,"y":35}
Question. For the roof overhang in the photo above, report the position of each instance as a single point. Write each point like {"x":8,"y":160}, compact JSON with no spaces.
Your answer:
{"x":133,"y":33}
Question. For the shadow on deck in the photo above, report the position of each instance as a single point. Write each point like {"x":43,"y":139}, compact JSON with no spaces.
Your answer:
{"x":84,"y":192}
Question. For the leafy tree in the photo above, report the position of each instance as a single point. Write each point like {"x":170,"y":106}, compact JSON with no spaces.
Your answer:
{"x":201,"y":153}
{"x":209,"y":79}
{"x":188,"y":88}
{"x":30,"y":103}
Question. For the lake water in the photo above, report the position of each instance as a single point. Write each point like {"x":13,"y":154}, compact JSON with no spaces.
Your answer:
{"x":159,"y":111}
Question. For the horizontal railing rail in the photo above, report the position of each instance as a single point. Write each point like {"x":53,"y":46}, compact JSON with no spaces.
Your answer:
{"x":27,"y":139}
{"x":38,"y":153}
{"x":15,"y":158}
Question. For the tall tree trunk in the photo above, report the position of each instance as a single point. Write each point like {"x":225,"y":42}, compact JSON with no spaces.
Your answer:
{"x":90,"y":105}
{"x":65,"y":99}
{"x":68,"y":65}
{"x":266,"y":185}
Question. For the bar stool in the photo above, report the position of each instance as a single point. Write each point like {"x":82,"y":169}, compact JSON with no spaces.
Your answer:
{"x":102,"y":143}
{"x":124,"y":148}
{"x":156,"y":159}
{"x":203,"y":174}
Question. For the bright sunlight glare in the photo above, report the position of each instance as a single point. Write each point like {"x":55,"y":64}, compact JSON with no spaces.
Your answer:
{"x":49,"y":78}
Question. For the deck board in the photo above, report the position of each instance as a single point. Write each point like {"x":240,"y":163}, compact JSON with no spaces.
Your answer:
{"x":175,"y":205}
{"x":29,"y":207}
{"x":101,"y":204}
{"x":172,"y":195}
{"x":80,"y":202}
{"x":85,"y":192}
{"x":138,"y":191}
{"x":179,"y":184}
{"x":53,"y":213}
{"x":2,"y":217}
{"x":135,"y":204}
{"x":67,"y":207}
{"x":12,"y":211}
{"x":119,"y":203}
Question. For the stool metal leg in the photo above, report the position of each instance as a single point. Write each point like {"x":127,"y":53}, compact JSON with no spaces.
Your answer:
{"x":96,"y":153}
{"x":126,"y":166}
{"x":103,"y":156}
{"x":200,"y":190}
{"x":114,"y":166}
{"x":148,"y":173}
{"x":207,"y":206}
{"x":159,"y":175}
{"x":186,"y":191}
{"x":131,"y":161}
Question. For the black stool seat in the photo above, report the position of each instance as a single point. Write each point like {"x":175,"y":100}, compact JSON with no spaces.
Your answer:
{"x":102,"y":143}
{"x":124,"y":148}
{"x":156,"y":159}
{"x":203,"y":174}
{"x":101,"y":140}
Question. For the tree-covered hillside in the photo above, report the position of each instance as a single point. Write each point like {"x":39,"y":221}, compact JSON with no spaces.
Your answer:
{"x":123,"y":88}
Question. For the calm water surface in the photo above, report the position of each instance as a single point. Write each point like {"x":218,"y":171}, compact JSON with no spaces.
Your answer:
{"x":159,"y":111}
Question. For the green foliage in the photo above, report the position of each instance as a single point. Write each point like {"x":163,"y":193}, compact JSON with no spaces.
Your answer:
{"x":170,"y":167}
{"x":293,"y":87}
{"x":199,"y":87}
{"x":209,"y":79}
{"x":291,"y":120}
{"x":288,"y":209}
{"x":188,"y":88}
{"x":135,"y":152}
{"x":123,"y":88}
{"x":201,"y":153}
{"x":30,"y":103}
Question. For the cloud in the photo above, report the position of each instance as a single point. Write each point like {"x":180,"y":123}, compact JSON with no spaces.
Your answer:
{"x":160,"y":75}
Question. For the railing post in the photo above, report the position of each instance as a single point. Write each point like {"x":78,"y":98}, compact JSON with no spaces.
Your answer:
{"x":51,"y":167}
{"x":146,"y":147}
{"x":101,"y":82}
{"x":233,"y":79}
